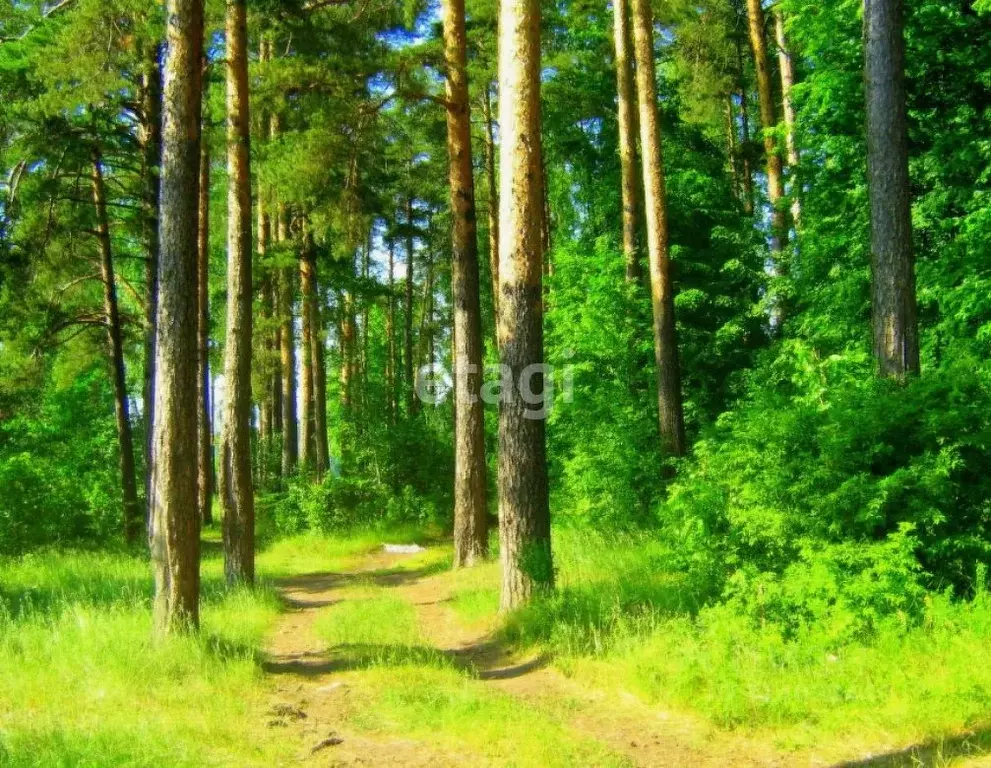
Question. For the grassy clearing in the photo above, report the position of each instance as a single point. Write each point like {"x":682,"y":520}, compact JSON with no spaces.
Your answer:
{"x":618,"y":620}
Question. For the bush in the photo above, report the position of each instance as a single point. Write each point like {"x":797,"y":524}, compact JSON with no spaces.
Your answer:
{"x":830,"y":495}
{"x":340,"y":504}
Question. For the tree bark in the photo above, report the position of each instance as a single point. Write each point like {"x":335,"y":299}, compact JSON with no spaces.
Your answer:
{"x":775,"y":175}
{"x":321,"y":446}
{"x":731,"y":148}
{"x":236,"y":486}
{"x":747,"y":168}
{"x":392,"y":364}
{"x":669,"y":405}
{"x":787,"y":69}
{"x":410,"y":383}
{"x":471,"y":517}
{"x":151,"y":157}
{"x":626,"y":116}
{"x":175,"y":525}
{"x":125,"y":438}
{"x":524,"y":527}
{"x":287,"y":343}
{"x":205,"y":453}
{"x":307,"y":357}
{"x":894,"y":311}
{"x":493,"y":189}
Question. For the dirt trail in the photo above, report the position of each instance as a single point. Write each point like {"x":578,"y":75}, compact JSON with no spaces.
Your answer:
{"x":314,"y":692}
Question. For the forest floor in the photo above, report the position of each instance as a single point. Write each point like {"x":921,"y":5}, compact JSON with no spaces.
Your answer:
{"x":379,"y":664}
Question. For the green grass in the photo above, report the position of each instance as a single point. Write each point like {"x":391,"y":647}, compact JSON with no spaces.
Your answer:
{"x":620,"y":620}
{"x":85,"y":684}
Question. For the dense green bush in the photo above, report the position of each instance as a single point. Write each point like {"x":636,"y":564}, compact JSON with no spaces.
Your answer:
{"x":830,"y":496}
{"x":59,"y":481}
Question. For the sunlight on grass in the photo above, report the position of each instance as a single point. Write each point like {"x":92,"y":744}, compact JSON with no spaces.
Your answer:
{"x":446,"y":708}
{"x":84,"y":683}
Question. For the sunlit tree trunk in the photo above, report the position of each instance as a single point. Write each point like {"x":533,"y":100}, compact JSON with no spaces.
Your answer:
{"x":150,"y":97}
{"x":125,"y":438}
{"x":287,"y":341}
{"x":175,"y":525}
{"x":307,"y":342}
{"x":626,"y":116}
{"x":205,"y":452}
{"x":787,"y":69}
{"x":236,"y":491}
{"x":408,"y":374}
{"x":524,"y":512}
{"x":471,"y":517}
{"x":894,"y":311}
{"x":493,"y":190}
{"x":669,"y":406}
{"x":392,"y":364}
{"x":321,"y":446}
{"x":765,"y":96}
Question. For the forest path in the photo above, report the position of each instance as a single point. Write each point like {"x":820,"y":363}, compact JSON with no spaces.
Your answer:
{"x":324,"y":700}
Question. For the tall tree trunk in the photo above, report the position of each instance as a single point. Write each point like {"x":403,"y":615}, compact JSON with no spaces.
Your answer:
{"x":151,"y":154}
{"x":626,"y":115}
{"x":471,"y":516}
{"x":787,"y":69}
{"x":125,"y":438}
{"x":895,"y":315}
{"x":669,"y":405}
{"x":493,"y":189}
{"x":748,"y":171}
{"x":524,"y":511}
{"x":775,"y":176}
{"x":347,"y":352}
{"x":365,"y":266}
{"x":205,"y":478}
{"x":175,"y":524}
{"x":410,"y":380}
{"x":270,"y":400}
{"x":321,"y":446}
{"x":287,"y":342}
{"x":307,"y":356}
{"x":236,"y":491}
{"x":392,"y":365}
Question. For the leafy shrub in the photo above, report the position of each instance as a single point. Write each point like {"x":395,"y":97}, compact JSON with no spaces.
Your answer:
{"x":829,"y":495}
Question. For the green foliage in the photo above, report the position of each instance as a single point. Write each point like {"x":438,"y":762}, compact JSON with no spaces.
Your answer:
{"x":58,"y":468}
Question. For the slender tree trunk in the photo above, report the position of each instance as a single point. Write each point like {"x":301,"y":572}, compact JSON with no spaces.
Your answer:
{"x":175,"y":524}
{"x":775,"y":175}
{"x":626,"y":115}
{"x":125,"y":438}
{"x":731,"y":150}
{"x":205,"y":478}
{"x":669,"y":405}
{"x":748,"y":171}
{"x":236,"y":491}
{"x":151,"y":151}
{"x":287,"y":346}
{"x":392,"y":365}
{"x":524,"y":511}
{"x":365,"y":266}
{"x":347,"y":352}
{"x":307,"y":356}
{"x":270,"y":408}
{"x":410,"y":383}
{"x":787,"y":69}
{"x":490,"y":176}
{"x":895,"y":315}
{"x":319,"y":366}
{"x":471,"y":516}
